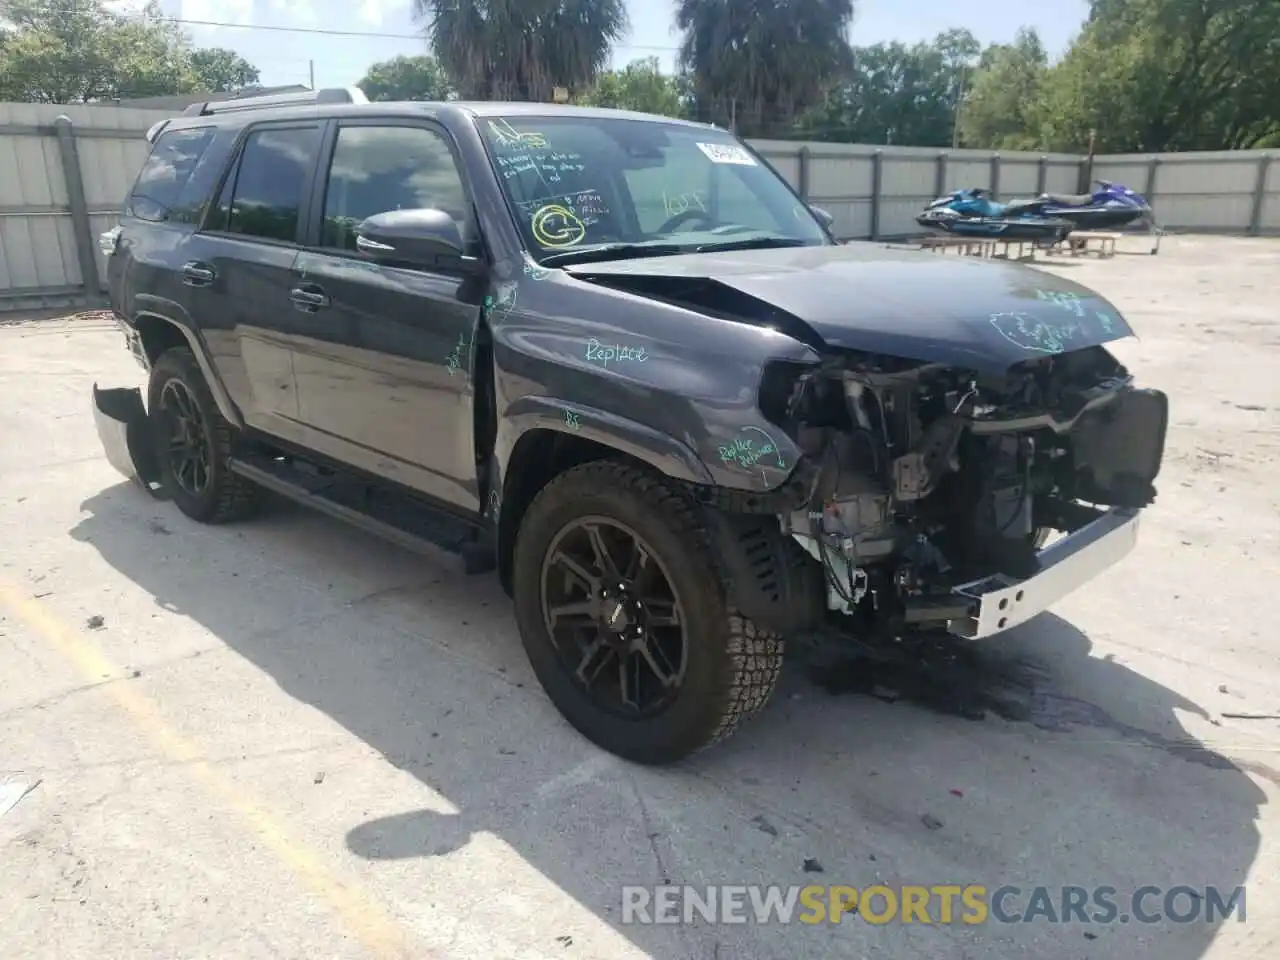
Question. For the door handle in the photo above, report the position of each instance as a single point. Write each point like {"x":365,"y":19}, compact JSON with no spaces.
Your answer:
{"x":195,"y":274}
{"x":309,"y":300}
{"x":365,"y":245}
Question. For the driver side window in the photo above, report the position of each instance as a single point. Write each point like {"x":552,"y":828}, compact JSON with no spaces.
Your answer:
{"x":377,"y":169}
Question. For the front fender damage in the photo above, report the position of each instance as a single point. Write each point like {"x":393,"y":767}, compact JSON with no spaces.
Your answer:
{"x":924,"y":496}
{"x":124,"y":429}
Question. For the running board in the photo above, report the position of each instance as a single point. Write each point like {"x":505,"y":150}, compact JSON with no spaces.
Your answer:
{"x":407,"y":523}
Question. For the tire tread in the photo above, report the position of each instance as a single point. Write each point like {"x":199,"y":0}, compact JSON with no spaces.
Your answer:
{"x":235,"y":497}
{"x":755,"y":655}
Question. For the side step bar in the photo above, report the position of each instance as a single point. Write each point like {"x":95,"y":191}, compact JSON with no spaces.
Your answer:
{"x":409,"y":524}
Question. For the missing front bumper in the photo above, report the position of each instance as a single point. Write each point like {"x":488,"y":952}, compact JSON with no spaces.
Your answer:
{"x":124,"y":431}
{"x":999,"y":603}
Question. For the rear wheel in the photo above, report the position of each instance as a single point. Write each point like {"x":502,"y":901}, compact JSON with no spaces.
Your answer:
{"x":625,"y":619}
{"x":194,"y":443}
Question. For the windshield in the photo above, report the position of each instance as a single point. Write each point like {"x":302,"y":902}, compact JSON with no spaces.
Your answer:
{"x":583,"y":183}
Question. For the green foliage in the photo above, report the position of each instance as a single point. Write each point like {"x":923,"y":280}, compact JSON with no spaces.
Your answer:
{"x":521,"y":49}
{"x":759,"y":65}
{"x":897,"y":94}
{"x":1144,"y":75}
{"x":642,"y":86}
{"x":72,"y":53}
{"x":217,"y":69}
{"x":406,"y":78}
{"x":1000,"y":110}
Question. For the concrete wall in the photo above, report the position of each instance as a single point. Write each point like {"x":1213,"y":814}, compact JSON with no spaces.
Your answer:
{"x":51,"y":212}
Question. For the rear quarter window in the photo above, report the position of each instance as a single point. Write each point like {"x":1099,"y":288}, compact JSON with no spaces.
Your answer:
{"x":176,"y":178}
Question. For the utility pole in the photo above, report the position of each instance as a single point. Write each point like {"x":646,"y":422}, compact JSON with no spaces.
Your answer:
{"x":955,"y":123}
{"x":311,"y":65}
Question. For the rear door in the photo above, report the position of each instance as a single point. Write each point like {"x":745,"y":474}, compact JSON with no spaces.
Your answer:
{"x":239,"y":270}
{"x":382,"y":355}
{"x":175,"y":183}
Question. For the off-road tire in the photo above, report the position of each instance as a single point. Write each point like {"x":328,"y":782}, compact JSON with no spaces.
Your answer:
{"x":732,"y":664}
{"x":228,"y":496}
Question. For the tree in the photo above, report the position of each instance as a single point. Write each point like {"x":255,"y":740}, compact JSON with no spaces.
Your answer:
{"x":1151,"y":75}
{"x":897,"y":94}
{"x":521,"y":49}
{"x":217,"y":69}
{"x":641,"y":86}
{"x":1000,"y":112}
{"x":85,"y":52}
{"x":406,"y":78}
{"x":758,"y":64}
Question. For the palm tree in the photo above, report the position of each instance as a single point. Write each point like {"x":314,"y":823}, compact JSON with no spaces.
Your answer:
{"x":758,"y":64}
{"x":521,"y":49}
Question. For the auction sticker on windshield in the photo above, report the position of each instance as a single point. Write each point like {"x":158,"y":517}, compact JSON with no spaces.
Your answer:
{"x":727,"y":153}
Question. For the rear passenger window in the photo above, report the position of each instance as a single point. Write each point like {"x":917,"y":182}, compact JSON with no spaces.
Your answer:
{"x":376,"y":169}
{"x":268,"y":194}
{"x":161,"y":182}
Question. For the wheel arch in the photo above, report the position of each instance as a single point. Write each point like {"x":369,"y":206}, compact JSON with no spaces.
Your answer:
{"x":540,"y":455}
{"x":541,"y":437}
{"x":158,"y":333}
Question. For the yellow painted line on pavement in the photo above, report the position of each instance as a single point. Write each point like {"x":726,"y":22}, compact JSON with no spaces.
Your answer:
{"x":365,"y":917}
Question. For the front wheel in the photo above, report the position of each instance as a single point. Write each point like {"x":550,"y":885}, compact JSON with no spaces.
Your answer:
{"x":625,"y":620}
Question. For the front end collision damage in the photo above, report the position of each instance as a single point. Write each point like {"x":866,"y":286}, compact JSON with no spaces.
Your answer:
{"x":925,"y":495}
{"x":855,"y":489}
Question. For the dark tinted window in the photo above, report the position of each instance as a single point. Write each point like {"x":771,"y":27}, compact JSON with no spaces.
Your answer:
{"x":376,"y":169}
{"x":161,"y":182}
{"x":269,"y":189}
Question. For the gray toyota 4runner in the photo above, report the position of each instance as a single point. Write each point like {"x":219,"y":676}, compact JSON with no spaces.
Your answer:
{"x":617,"y":358}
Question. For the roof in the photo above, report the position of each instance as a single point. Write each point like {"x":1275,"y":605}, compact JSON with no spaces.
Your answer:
{"x":472,"y":109}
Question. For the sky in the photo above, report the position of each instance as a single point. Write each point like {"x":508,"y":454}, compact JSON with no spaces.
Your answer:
{"x":272,"y":35}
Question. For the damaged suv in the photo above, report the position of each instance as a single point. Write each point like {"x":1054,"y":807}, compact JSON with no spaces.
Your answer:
{"x":617,"y":358}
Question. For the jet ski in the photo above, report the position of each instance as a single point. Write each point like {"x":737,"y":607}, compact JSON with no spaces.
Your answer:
{"x":1112,"y":205}
{"x":972,"y":213}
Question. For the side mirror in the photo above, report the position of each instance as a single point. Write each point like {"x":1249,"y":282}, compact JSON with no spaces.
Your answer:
{"x":416,"y":237}
{"x":827,"y":219}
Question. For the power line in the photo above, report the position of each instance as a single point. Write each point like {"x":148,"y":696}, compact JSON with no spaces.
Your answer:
{"x":360,"y":34}
{"x":319,"y":31}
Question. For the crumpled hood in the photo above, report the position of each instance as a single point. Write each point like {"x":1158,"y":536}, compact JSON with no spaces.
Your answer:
{"x":981,"y":314}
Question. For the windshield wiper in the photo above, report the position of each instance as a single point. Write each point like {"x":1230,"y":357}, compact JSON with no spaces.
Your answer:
{"x":755,"y":243}
{"x":612,"y":251}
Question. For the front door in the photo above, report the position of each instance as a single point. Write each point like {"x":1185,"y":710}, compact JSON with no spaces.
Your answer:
{"x":384,"y":371}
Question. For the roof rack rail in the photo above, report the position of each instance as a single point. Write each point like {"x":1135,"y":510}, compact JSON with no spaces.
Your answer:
{"x":300,"y":98}
{"x":156,"y":129}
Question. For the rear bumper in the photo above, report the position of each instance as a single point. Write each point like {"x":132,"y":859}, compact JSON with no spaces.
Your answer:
{"x":125,"y":434}
{"x":999,"y":603}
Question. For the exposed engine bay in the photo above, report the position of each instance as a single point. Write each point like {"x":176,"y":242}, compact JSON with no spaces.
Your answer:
{"x":925,"y":478}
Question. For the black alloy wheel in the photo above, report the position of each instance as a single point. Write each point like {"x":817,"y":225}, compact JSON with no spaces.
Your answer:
{"x":194,"y":443}
{"x":189,"y":447}
{"x":622,"y":609}
{"x":615,"y":616}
